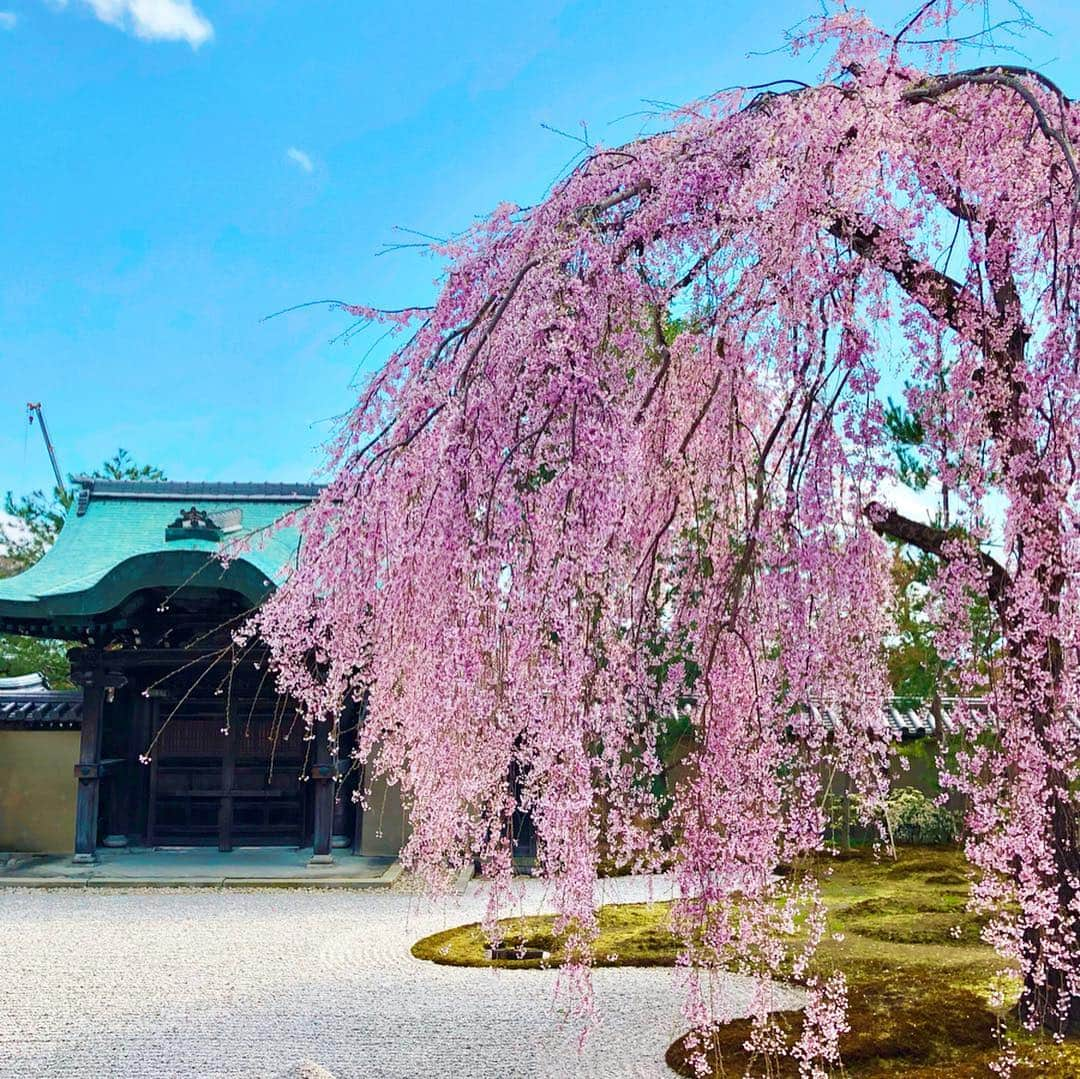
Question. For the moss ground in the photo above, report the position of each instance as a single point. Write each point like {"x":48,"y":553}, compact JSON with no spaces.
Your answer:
{"x":631,"y":935}
{"x":919,"y":976}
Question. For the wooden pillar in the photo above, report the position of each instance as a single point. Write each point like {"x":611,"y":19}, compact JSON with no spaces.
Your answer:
{"x":151,"y":786}
{"x":228,"y":778}
{"x":322,"y":774}
{"x":88,"y":770}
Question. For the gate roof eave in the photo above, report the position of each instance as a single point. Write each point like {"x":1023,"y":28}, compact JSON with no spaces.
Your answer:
{"x":120,"y":538}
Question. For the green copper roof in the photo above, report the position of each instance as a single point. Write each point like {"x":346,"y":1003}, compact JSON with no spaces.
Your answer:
{"x":120,"y":537}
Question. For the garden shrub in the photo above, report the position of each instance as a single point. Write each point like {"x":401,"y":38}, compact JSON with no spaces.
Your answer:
{"x":915,"y":818}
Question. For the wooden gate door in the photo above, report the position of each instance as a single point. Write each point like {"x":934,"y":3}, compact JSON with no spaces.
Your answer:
{"x":226,"y":781}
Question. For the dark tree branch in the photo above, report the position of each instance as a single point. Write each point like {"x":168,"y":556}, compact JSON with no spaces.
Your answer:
{"x":500,"y":310}
{"x":1009,"y":78}
{"x":885,"y":521}
{"x":662,"y":368}
{"x":943,"y":296}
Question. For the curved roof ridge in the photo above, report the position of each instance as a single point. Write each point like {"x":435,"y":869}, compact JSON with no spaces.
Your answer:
{"x":199,"y":489}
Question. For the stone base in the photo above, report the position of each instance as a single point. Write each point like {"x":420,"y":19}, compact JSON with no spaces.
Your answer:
{"x":84,"y":859}
{"x":115,"y":841}
{"x":515,"y":953}
{"x":320,"y":859}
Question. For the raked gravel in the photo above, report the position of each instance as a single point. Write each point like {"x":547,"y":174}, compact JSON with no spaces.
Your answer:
{"x":301,"y":983}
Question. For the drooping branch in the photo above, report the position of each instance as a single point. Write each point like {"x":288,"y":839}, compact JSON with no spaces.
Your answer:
{"x":1009,"y":78}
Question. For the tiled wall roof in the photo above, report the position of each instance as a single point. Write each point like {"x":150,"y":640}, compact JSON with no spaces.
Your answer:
{"x":26,"y":703}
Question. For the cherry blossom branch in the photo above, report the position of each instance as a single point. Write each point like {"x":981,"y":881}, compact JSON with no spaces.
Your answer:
{"x":887,"y":522}
{"x":1011,"y":78}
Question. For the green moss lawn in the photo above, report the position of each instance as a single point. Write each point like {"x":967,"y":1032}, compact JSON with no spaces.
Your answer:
{"x":920,"y":979}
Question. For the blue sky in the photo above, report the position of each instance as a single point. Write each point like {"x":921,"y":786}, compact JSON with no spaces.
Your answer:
{"x":173,"y":171}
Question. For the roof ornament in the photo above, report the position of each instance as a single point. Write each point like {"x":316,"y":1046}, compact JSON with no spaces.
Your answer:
{"x":195,"y":523}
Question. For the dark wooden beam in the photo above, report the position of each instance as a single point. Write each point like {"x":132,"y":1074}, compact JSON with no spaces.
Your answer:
{"x":322,"y":774}
{"x":228,"y":778}
{"x":88,"y":770}
{"x":127,"y":658}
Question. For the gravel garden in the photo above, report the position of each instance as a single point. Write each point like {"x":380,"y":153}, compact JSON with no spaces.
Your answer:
{"x":300,"y":984}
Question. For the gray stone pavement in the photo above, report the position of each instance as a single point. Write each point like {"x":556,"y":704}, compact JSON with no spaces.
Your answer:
{"x":194,"y":867}
{"x":300,"y":983}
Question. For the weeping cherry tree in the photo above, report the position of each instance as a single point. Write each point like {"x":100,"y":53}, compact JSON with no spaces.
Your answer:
{"x":630,"y":466}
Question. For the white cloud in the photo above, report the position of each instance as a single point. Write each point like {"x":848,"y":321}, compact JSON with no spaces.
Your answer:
{"x":8,"y":19}
{"x":300,"y":158}
{"x":153,"y":20}
{"x":920,"y":506}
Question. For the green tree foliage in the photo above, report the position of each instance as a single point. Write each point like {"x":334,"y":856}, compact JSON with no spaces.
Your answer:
{"x":40,"y":515}
{"x":916,"y":670}
{"x":37,"y":520}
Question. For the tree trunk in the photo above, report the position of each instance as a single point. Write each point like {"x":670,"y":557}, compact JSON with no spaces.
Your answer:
{"x":1054,"y":1003}
{"x":1051,"y":994}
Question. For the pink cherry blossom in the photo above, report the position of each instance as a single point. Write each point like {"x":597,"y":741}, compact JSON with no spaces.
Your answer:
{"x":624,"y":475}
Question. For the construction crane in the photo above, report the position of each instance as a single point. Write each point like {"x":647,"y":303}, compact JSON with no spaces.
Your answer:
{"x":33,"y":408}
